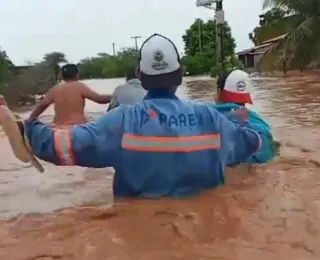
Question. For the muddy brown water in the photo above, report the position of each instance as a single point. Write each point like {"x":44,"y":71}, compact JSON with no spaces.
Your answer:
{"x":269,"y":212}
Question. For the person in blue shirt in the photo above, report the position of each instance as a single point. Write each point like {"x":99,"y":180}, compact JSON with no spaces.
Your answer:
{"x":162,"y":146}
{"x":234,"y":88}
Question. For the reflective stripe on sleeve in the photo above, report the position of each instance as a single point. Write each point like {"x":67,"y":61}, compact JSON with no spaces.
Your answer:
{"x":63,"y":146}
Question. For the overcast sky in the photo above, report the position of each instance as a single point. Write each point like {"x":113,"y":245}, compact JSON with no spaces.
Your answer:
{"x":82,"y":28}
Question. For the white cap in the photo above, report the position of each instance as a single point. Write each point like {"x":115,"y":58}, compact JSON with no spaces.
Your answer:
{"x":238,"y":81}
{"x":159,"y":63}
{"x":235,"y":87}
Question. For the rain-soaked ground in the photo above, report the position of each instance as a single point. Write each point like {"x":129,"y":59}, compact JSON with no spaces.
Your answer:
{"x":268,"y":212}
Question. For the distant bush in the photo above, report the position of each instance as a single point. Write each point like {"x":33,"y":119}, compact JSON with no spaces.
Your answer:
{"x":215,"y":70}
{"x":230,"y":63}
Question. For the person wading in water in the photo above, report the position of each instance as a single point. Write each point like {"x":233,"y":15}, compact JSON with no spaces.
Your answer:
{"x":68,"y":98}
{"x":160,"y":147}
{"x":129,"y":93}
{"x":234,"y":88}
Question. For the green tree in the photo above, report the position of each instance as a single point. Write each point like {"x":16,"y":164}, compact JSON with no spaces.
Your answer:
{"x":200,"y":47}
{"x":108,"y":66}
{"x":21,"y":84}
{"x":53,"y":60}
{"x":207,"y":35}
{"x":196,"y":64}
{"x":301,"y":45}
{"x":127,"y":57}
{"x":95,"y":67}
{"x":266,"y":30}
{"x":6,"y":67}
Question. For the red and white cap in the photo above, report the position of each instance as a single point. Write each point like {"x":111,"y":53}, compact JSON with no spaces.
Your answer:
{"x":235,"y":87}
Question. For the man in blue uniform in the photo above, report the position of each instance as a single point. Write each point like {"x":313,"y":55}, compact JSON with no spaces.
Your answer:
{"x":162,"y":146}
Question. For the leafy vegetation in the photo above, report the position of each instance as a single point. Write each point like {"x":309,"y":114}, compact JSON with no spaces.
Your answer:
{"x":107,"y":66}
{"x":299,"y":22}
{"x":266,"y":30}
{"x":200,"y":48}
{"x":20,"y":85}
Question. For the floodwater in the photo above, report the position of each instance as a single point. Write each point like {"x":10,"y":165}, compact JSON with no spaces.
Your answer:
{"x":268,"y":212}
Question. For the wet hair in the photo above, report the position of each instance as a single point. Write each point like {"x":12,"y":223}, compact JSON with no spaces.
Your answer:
{"x":131,"y":73}
{"x":222,"y":79}
{"x":69,"y":72}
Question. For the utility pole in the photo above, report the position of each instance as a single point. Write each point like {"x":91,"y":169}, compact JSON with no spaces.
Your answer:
{"x":114,"y":49}
{"x":219,"y":19}
{"x":136,"y":41}
{"x":200,"y":35}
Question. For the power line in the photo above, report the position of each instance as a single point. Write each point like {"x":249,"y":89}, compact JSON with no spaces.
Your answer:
{"x":136,"y":41}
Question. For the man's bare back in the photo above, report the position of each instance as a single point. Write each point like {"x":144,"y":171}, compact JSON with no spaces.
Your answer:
{"x":69,"y":102}
{"x":69,"y":99}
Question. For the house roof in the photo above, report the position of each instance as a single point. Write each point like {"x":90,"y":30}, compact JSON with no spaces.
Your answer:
{"x":272,"y":40}
{"x":253,"y":49}
{"x":264,"y":44}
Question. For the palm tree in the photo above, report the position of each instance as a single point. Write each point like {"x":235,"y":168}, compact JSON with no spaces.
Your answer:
{"x":265,"y":31}
{"x":6,"y":66}
{"x":54,"y":59}
{"x":301,"y":44}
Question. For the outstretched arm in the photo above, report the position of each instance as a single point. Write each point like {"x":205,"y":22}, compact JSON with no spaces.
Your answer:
{"x":95,"y":144}
{"x":238,"y":143}
{"x":256,"y":123}
{"x":42,"y":105}
{"x":94,"y":96}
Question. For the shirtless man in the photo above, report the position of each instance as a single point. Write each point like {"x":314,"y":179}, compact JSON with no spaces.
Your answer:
{"x":68,"y":98}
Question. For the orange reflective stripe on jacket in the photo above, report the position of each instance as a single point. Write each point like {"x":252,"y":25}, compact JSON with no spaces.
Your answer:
{"x":170,"y":144}
{"x":63,"y":147}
